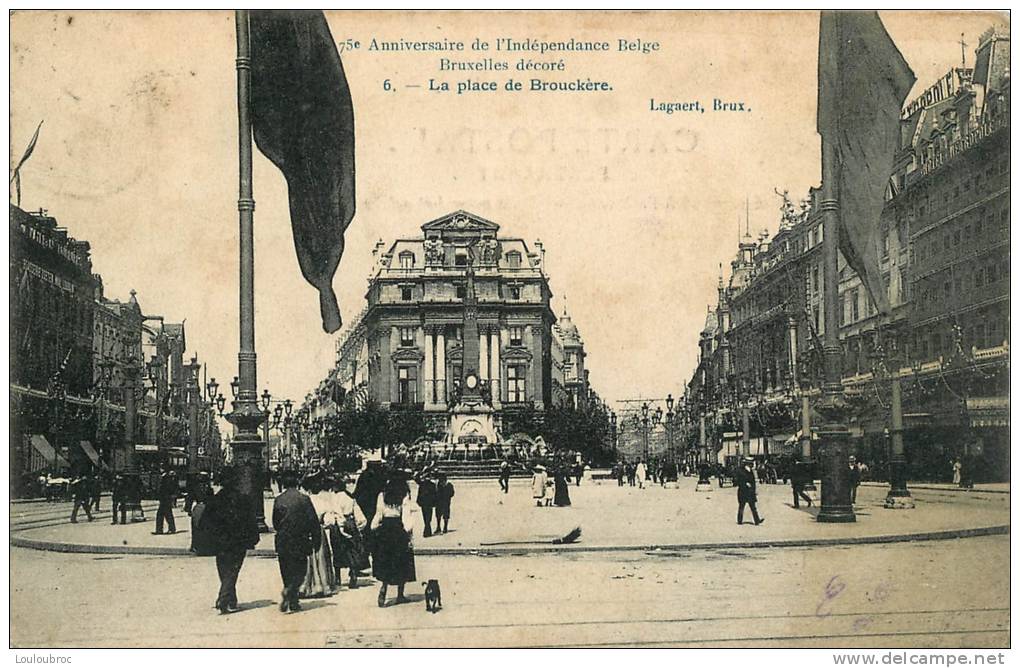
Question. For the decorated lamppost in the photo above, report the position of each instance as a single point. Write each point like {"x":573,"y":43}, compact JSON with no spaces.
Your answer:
{"x":131,"y":370}
{"x":612,"y":426}
{"x":644,"y":428}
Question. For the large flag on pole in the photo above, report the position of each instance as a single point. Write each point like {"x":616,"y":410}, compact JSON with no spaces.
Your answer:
{"x":862,"y":83}
{"x":303,"y":121}
{"x":16,"y":177}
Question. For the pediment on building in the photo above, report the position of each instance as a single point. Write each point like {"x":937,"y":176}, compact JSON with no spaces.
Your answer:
{"x":516,"y":355}
{"x":460,"y":221}
{"x":407,"y":355}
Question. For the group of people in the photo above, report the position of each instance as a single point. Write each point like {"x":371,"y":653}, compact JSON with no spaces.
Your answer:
{"x":541,"y":481}
{"x":321,"y":529}
{"x":635,"y":473}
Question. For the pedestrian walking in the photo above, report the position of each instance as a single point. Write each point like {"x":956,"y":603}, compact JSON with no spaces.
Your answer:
{"x":641,"y":473}
{"x":118,"y":498}
{"x":298,"y":534}
{"x":95,"y":489}
{"x":957,"y":469}
{"x":393,"y":549}
{"x":561,"y":484}
{"x":81,"y":494}
{"x":799,"y":478}
{"x":199,"y":490}
{"x":167,"y":494}
{"x":631,"y":474}
{"x":854,"y":479}
{"x":444,"y":499}
{"x":228,"y":519}
{"x":504,"y":476}
{"x":538,"y":483}
{"x":427,"y":501}
{"x":747,"y":492}
{"x":320,"y":574}
{"x":346,"y":536}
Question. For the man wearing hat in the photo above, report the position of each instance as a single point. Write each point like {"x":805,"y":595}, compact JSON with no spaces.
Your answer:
{"x":854,"y":479}
{"x":747,"y":492}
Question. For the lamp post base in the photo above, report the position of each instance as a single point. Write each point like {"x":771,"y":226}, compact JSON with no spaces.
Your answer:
{"x":899,"y":502}
{"x":247,"y":454}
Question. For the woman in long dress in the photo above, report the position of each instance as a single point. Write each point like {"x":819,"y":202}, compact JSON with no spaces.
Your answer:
{"x":320,"y":578}
{"x":641,"y":473}
{"x":392,"y":550}
{"x":345,"y":535}
{"x":562,"y":487}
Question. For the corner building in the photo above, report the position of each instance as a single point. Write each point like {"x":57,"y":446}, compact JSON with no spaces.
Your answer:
{"x":407,"y":350}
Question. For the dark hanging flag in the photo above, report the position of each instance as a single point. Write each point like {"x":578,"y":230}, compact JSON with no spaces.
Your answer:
{"x":862,"y":83}
{"x":303,"y":121}
{"x":16,"y":177}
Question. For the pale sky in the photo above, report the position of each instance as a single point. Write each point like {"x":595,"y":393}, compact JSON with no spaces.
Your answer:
{"x":138,"y":155}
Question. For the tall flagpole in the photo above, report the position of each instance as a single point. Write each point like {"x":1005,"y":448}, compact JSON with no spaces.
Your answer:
{"x":247,"y":415}
{"x":835,"y":437}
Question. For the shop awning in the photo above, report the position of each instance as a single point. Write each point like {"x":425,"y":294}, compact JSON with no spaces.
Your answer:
{"x":43,"y":447}
{"x":91,"y":453}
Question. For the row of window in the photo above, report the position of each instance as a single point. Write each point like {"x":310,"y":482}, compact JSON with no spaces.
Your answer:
{"x":516,"y":383}
{"x":969,"y":228}
{"x":408,"y":259}
{"x":513,"y":292}
{"x":515,"y":335}
{"x":980,"y":335}
{"x":949,"y":191}
{"x":985,"y":274}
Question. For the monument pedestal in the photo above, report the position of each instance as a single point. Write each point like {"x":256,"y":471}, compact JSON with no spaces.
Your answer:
{"x":472,"y":420}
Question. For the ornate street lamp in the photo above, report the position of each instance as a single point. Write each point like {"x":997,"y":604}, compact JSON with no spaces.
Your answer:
{"x":221,"y":403}
{"x":211,"y":387}
{"x":234,"y":385}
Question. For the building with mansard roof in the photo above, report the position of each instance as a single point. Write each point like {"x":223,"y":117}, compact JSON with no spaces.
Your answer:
{"x":944,"y":256}
{"x":460,"y":278}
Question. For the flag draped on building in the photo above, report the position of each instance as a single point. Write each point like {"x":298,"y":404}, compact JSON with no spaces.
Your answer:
{"x":303,"y":121}
{"x":16,"y":177}
{"x":862,"y":83}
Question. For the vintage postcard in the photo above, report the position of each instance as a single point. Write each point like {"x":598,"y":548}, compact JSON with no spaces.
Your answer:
{"x":499,"y":329}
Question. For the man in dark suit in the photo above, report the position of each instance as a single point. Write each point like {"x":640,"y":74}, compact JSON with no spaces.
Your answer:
{"x":81,"y":493}
{"x":799,"y":478}
{"x":297,"y":535}
{"x":444,"y":498}
{"x":427,"y":501}
{"x":229,"y":519}
{"x":167,"y":492}
{"x":747,"y":492}
{"x":119,"y":498}
{"x":854,"y":479}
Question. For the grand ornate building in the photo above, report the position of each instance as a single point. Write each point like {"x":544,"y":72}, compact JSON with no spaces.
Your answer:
{"x":944,"y":242}
{"x":455,"y":313}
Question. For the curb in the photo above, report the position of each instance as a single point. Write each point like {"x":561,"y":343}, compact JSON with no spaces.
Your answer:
{"x":997,"y":530}
{"x":933,"y":488}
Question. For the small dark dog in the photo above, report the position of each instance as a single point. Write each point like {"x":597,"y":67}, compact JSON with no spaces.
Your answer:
{"x":433,"y":596}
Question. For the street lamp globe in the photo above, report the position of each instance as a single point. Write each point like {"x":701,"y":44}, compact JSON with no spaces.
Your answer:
{"x":267,"y":399}
{"x":234,"y":385}
{"x":211,"y":387}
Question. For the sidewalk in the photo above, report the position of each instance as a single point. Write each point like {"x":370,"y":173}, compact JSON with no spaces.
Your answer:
{"x":611,"y":518}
